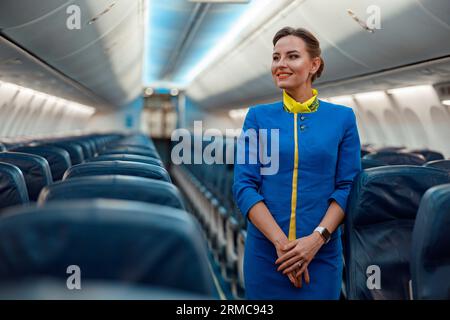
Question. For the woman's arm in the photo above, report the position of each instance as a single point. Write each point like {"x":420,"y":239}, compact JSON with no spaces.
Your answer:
{"x":261,"y":217}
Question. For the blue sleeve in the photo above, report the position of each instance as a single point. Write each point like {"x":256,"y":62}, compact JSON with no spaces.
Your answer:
{"x":247,"y":177}
{"x":348,"y":163}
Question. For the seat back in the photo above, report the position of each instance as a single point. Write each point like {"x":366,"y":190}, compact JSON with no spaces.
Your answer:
{"x":381,"y":211}
{"x":132,"y":150}
{"x":429,"y":155}
{"x":110,"y":240}
{"x":369,"y":163}
{"x":75,"y":150}
{"x":439,"y":164}
{"x":115,"y":167}
{"x":430,"y":261}
{"x":128,"y":157}
{"x":114,"y":187}
{"x":35,"y":170}
{"x":397,"y":158}
{"x":13,"y":190}
{"x":57,"y":158}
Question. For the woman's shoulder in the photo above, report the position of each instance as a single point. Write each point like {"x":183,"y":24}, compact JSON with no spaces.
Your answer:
{"x":264,"y":107}
{"x":337,"y":110}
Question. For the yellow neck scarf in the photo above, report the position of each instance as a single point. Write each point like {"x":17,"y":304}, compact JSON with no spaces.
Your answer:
{"x":292,"y":106}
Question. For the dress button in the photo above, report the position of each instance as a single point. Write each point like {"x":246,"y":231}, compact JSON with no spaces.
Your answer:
{"x":302,"y":118}
{"x":302,"y":127}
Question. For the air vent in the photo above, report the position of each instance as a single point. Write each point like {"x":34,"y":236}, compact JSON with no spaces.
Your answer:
{"x":94,"y":19}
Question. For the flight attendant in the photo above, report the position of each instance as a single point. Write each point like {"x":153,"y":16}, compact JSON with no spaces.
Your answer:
{"x":293,"y":248}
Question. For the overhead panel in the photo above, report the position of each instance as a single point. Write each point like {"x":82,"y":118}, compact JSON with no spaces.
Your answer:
{"x":109,"y":39}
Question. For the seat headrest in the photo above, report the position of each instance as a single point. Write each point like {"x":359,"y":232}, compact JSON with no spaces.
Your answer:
{"x":128,"y":157}
{"x":2,"y":147}
{"x":115,"y":187}
{"x":132,"y":150}
{"x":57,"y":158}
{"x":430,"y":261}
{"x":35,"y":170}
{"x":13,"y":190}
{"x":381,"y":211}
{"x":429,"y":155}
{"x":396,"y":158}
{"x":111,"y":240}
{"x":439,"y":164}
{"x":115,"y":167}
{"x":369,"y":163}
{"x":75,"y":151}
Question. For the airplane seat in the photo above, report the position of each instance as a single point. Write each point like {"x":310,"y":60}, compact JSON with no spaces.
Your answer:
{"x":127,"y":157}
{"x":389,"y":149}
{"x":429,"y":155}
{"x":57,"y":158}
{"x":13,"y":190}
{"x":397,"y":158}
{"x":132,"y":150}
{"x":439,"y":164}
{"x":50,"y":288}
{"x":35,"y":170}
{"x":430,"y":260}
{"x":75,"y":150}
{"x":114,"y":187}
{"x":370,"y":163}
{"x":115,"y":167}
{"x":126,"y":242}
{"x":2,"y":147}
{"x":380,"y":216}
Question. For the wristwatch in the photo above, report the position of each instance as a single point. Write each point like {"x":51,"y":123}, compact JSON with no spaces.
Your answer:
{"x":324,"y":233}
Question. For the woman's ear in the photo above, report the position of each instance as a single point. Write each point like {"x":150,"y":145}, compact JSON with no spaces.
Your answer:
{"x":315,"y":65}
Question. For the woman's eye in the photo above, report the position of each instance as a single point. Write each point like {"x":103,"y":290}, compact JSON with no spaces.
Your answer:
{"x":275,"y":58}
{"x":293,"y":56}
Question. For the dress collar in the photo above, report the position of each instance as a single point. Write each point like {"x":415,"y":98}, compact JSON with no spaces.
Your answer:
{"x":292,"y":106}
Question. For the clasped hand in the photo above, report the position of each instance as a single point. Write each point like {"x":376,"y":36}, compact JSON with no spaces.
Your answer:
{"x":295,"y":256}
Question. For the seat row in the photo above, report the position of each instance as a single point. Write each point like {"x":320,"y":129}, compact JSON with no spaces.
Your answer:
{"x":115,"y":215}
{"x":209,"y":186}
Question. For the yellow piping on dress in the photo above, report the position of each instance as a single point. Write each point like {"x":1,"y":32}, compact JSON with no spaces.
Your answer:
{"x":292,"y":222}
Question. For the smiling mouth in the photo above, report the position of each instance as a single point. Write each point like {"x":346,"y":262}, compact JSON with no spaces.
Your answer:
{"x":282,"y":76}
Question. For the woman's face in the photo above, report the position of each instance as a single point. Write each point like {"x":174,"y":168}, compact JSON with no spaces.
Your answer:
{"x":291,"y":63}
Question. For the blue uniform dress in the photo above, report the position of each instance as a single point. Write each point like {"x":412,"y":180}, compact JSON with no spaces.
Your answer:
{"x":328,"y":159}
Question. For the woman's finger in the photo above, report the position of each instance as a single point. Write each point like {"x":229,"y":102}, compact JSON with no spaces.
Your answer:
{"x":307,"y":279}
{"x":291,"y":262}
{"x":289,"y":246}
{"x":285,"y":257}
{"x":295,"y":264}
{"x":302,"y":269}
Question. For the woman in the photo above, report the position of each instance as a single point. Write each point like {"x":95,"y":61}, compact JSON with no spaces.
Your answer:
{"x":289,"y":253}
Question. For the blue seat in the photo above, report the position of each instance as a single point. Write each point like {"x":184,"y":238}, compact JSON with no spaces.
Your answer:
{"x":2,"y":147}
{"x":128,"y":157}
{"x":430,"y":261}
{"x":115,"y":167}
{"x":75,"y":151}
{"x":57,"y":158}
{"x":13,"y":190}
{"x":369,"y":163}
{"x":56,"y":289}
{"x":380,"y":217}
{"x":132,"y":150}
{"x":439,"y":164}
{"x":429,"y":155}
{"x":35,"y":170}
{"x":397,"y":158}
{"x":109,"y":240}
{"x":114,"y":187}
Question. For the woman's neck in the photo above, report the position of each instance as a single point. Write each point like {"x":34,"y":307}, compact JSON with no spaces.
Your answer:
{"x":301,"y":94}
